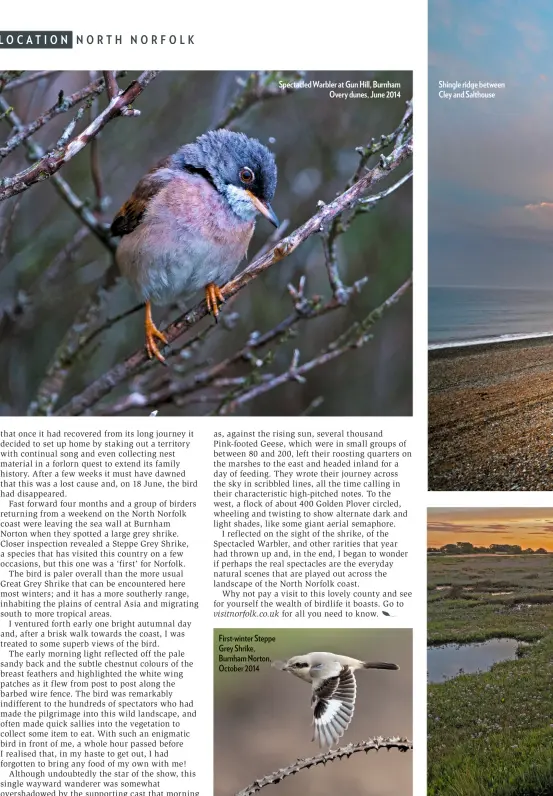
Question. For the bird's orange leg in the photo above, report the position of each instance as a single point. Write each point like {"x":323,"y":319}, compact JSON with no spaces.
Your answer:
{"x":153,"y":334}
{"x":213,"y":297}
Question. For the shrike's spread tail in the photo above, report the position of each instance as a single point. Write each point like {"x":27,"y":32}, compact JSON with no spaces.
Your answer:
{"x":333,"y":689}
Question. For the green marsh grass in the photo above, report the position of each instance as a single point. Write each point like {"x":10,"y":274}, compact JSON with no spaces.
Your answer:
{"x":491,"y":734}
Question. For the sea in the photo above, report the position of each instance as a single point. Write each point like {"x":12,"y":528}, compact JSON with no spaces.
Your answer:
{"x":459,"y":316}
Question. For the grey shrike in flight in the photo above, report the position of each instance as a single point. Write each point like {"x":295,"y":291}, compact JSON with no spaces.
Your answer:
{"x":333,"y":689}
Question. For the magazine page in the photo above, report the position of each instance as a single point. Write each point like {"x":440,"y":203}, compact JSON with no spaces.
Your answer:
{"x":490,"y":543}
{"x":213,"y":477}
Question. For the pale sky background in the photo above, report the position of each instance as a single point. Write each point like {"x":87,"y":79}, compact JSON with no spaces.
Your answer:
{"x":530,"y":527}
{"x":491,"y":161}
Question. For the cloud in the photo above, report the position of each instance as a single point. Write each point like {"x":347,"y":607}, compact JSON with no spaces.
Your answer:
{"x":441,"y":13}
{"x":439,"y":527}
{"x":538,"y":215}
{"x":477,"y":30}
{"x":533,"y":37}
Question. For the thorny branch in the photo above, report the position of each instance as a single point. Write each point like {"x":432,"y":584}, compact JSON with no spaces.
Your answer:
{"x":374,"y":744}
{"x":347,"y":201}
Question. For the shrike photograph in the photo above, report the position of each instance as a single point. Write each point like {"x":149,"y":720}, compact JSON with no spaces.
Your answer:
{"x":206,"y":243}
{"x":316,"y":711}
{"x":490,"y":244}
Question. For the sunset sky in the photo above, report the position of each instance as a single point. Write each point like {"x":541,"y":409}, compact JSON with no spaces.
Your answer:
{"x":486,"y":526}
{"x":490,"y":176}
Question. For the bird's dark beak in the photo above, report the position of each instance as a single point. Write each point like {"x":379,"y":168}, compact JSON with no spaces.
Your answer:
{"x":265,"y":209}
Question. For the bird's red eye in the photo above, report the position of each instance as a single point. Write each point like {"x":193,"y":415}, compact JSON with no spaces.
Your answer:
{"x":246,"y":175}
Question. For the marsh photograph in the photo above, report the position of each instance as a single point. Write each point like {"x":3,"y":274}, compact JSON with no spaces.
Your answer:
{"x":206,"y":243}
{"x":490,"y":651}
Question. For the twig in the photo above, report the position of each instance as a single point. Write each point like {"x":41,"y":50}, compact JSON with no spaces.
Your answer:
{"x":8,"y":226}
{"x":315,"y":404}
{"x":34,"y":153}
{"x":114,"y":91}
{"x":23,"y":81}
{"x":8,"y":77}
{"x":58,"y":371}
{"x":374,"y":744}
{"x":371,"y":200}
{"x":229,"y":319}
{"x":375,"y":146}
{"x":51,"y":162}
{"x":275,"y":236}
{"x":355,"y":337}
{"x":96,"y":174}
{"x":62,"y":105}
{"x":19,"y":313}
{"x":52,"y":271}
{"x":89,"y":338}
{"x":95,"y":169}
{"x":111,"y":85}
{"x":105,"y":383}
{"x":68,"y":130}
{"x":339,"y":225}
{"x":259,"y":86}
{"x":169,"y":388}
{"x":339,"y":290}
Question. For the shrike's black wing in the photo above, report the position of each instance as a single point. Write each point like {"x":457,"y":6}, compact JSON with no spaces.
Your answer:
{"x":332,"y":702}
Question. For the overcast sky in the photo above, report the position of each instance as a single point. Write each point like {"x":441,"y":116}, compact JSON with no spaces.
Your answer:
{"x":529,"y":527}
{"x":491,"y":161}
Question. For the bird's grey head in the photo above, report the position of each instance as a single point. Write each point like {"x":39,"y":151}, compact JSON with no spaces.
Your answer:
{"x":242,"y":169}
{"x":298,"y":665}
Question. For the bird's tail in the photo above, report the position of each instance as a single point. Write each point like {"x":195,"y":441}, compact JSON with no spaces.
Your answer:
{"x":379,"y":665}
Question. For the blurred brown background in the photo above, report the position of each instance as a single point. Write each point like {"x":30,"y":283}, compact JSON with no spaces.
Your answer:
{"x":263,"y":719}
{"x":314,"y":139}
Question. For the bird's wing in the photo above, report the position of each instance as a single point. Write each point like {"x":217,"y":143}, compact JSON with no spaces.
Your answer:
{"x":333,"y":702}
{"x":132,"y":212}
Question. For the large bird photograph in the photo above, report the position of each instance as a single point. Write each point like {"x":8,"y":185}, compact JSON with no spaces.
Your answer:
{"x":314,"y":711}
{"x":206,"y":243}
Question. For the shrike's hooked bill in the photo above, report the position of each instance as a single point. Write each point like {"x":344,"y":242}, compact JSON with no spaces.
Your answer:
{"x":333,"y":689}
